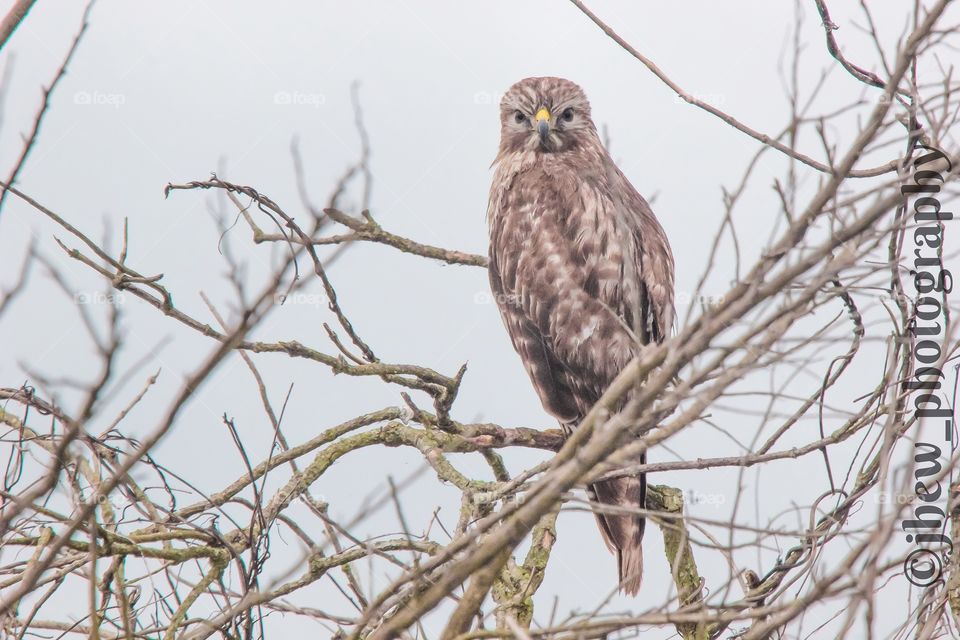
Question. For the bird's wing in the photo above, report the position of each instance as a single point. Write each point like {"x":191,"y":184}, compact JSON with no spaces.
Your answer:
{"x":538,"y":357}
{"x":557,"y":285}
{"x":653,"y":261}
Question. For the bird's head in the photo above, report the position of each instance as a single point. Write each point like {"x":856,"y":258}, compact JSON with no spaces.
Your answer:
{"x":545,"y":114}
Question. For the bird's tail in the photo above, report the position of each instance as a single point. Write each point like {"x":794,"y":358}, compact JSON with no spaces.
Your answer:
{"x":623,"y":533}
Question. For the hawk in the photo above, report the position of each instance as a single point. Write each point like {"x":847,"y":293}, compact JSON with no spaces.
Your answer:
{"x":581,"y":271}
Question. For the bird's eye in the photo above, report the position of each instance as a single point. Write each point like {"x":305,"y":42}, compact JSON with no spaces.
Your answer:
{"x":567,"y":114}
{"x":519,"y":117}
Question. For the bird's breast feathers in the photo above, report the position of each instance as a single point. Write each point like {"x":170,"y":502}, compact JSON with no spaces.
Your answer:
{"x":550,"y":215}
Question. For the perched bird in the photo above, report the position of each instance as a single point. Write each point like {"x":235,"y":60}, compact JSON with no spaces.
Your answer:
{"x":581,"y":271}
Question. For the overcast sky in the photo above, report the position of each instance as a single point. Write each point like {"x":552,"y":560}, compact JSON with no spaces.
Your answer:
{"x":171,"y":91}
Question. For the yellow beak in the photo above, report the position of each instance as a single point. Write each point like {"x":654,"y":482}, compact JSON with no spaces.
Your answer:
{"x":542,"y":123}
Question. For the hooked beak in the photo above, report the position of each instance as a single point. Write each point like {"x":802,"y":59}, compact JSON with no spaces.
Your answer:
{"x":542,"y":123}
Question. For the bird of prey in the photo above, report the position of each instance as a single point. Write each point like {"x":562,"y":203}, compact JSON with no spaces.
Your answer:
{"x":581,"y":271}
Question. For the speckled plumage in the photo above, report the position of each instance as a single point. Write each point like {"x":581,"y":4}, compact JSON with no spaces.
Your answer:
{"x":581,"y":270}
